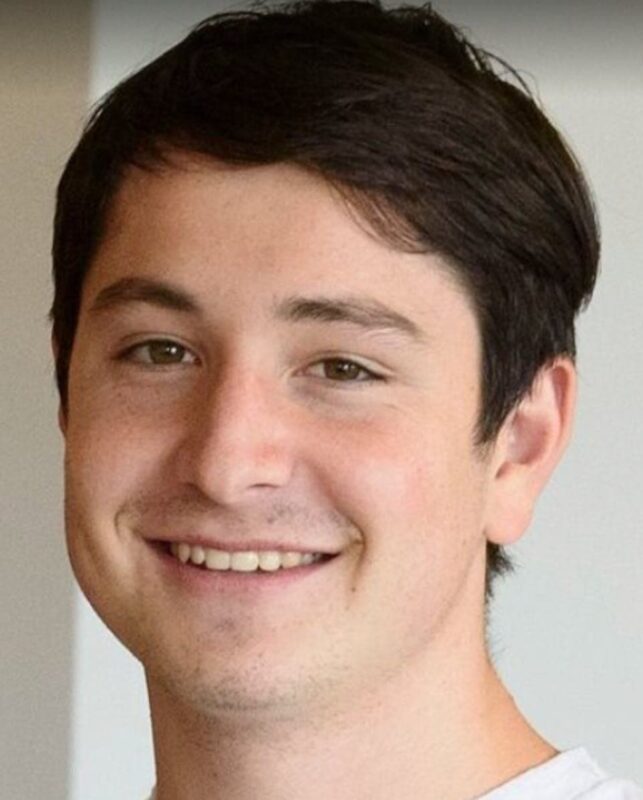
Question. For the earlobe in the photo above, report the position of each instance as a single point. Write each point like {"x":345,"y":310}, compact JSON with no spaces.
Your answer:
{"x":62,"y":417}
{"x":62,"y":420}
{"x":529,"y":446}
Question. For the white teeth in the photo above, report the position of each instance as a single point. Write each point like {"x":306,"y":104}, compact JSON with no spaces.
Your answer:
{"x":217,"y":559}
{"x":290,"y":559}
{"x":241,"y":561}
{"x":269,"y":561}
{"x":244,"y":562}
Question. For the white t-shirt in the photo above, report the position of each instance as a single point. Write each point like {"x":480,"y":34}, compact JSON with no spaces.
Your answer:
{"x":572,"y":775}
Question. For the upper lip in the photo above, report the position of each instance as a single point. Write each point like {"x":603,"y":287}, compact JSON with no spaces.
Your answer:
{"x":240,"y":545}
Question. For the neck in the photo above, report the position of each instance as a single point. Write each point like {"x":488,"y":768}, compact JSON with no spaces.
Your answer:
{"x":446,"y":728}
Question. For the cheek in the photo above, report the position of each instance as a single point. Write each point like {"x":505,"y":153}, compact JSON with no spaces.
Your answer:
{"x":414,"y":494}
{"x":111,"y":448}
{"x":398,"y":468}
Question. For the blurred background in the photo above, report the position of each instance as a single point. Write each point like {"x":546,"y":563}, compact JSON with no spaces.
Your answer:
{"x":567,"y":628}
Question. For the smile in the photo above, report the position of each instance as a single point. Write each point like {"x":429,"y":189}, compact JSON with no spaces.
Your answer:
{"x":242,"y":560}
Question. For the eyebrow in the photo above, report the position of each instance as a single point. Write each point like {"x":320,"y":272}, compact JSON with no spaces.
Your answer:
{"x":364,"y":312}
{"x":141,"y":290}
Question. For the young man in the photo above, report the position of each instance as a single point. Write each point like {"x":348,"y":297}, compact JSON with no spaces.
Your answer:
{"x":317,"y":269}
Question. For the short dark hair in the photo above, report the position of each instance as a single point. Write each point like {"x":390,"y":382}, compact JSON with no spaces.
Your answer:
{"x":435,"y":144}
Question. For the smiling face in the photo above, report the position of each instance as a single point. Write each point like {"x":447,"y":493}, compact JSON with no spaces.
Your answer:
{"x":250,"y":366}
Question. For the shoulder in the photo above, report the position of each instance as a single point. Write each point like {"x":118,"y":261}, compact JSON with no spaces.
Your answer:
{"x":595,"y":784}
{"x":612,"y":789}
{"x":571,"y":775}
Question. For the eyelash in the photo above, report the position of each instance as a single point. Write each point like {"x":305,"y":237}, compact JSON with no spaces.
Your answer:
{"x":129,"y":353}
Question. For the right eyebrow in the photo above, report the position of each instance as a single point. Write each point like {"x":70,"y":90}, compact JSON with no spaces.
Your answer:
{"x":144,"y":290}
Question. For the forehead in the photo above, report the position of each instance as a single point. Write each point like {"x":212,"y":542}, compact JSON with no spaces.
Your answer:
{"x":224,"y":233}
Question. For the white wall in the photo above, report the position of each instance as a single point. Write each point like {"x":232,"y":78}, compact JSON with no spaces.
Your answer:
{"x":44,"y":61}
{"x":568,"y":627}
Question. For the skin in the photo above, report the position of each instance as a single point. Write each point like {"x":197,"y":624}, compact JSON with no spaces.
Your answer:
{"x":370,"y":679}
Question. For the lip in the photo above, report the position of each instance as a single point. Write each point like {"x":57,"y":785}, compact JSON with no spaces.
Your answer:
{"x":199,"y":581}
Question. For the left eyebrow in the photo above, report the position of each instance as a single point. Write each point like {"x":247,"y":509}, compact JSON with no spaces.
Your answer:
{"x":364,"y":312}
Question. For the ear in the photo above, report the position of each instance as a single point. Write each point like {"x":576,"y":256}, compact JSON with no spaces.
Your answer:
{"x":529,"y":446}
{"x":62,"y":417}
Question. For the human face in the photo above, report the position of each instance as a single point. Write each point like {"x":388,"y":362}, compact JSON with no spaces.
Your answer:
{"x":259,"y":427}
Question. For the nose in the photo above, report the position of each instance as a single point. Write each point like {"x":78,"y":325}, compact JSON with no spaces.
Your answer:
{"x":236,"y":438}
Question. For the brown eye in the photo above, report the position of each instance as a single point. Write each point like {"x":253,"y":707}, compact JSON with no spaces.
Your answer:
{"x":160,"y":352}
{"x":342,"y":370}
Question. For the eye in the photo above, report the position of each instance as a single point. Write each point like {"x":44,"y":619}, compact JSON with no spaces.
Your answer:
{"x":344,"y":370}
{"x":158,"y":352}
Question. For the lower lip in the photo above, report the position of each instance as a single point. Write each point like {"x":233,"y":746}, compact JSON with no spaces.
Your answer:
{"x":205,"y":580}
